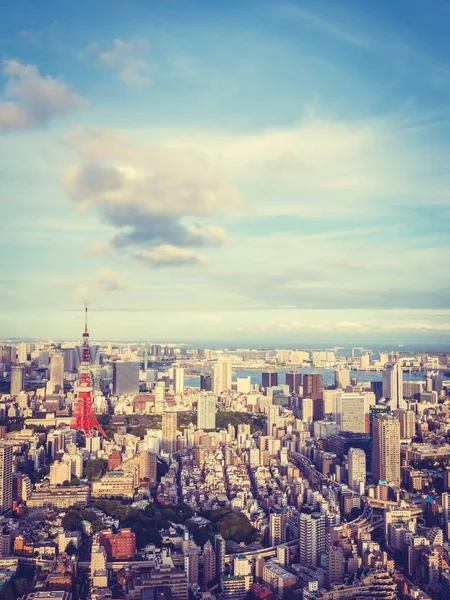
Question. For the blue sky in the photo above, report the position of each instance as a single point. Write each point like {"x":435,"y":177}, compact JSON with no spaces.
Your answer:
{"x":226,"y":171}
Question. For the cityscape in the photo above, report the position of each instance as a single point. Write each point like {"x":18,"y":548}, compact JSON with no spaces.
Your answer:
{"x":141,"y":470}
{"x":225,"y":300}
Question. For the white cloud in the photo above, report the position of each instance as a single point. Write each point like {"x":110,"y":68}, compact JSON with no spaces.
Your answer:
{"x":168,"y":255}
{"x":127,"y":59}
{"x":31,"y":99}
{"x":153,"y":196}
{"x":103,"y":280}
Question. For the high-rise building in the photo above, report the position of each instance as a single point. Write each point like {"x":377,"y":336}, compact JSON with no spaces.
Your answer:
{"x":57,"y":372}
{"x":60,"y":472}
{"x":125,"y":378}
{"x":336,"y":564}
{"x":206,"y":383}
{"x":386,"y":449}
{"x":273,"y":418}
{"x":220,"y":550}
{"x":22,"y":353}
{"x":160,"y":397}
{"x":206,"y":410}
{"x":269,"y":379}
{"x":17,"y":380}
{"x":169,"y":432}
{"x":222,"y":375}
{"x":313,"y":388}
{"x":307,"y":410}
{"x":341,"y":379}
{"x":120,"y":545}
{"x":209,"y":563}
{"x":357,"y":470}
{"x":351,"y":412}
{"x":294,"y":381}
{"x":178,"y":380}
{"x":393,"y":385}
{"x":6,"y":478}
{"x":312,"y":537}
{"x":277,"y":531}
{"x":407,"y":420}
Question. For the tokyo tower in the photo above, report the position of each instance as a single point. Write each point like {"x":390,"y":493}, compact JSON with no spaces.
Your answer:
{"x":84,"y":418}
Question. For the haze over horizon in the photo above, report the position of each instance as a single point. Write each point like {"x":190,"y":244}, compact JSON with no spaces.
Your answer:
{"x":260,"y":172}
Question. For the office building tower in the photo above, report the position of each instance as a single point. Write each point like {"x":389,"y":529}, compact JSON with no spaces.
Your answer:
{"x":273,"y":419}
{"x":393,"y":385}
{"x":125,"y":378}
{"x":341,"y":379}
{"x":312,"y":537}
{"x":313,"y":388}
{"x":57,"y":373}
{"x":386,"y":449}
{"x":178,"y":380}
{"x":206,"y":411}
{"x":357,"y":470}
{"x":17,"y":380}
{"x":350,"y":412}
{"x":190,"y":553}
{"x":206,"y":383}
{"x":294,"y":381}
{"x":277,"y":528}
{"x":169,"y":432}
{"x":6,"y":478}
{"x":22,"y":354}
{"x":269,"y":379}
{"x":160,"y":397}
{"x":407,"y":419}
{"x":220,"y":550}
{"x":222,"y":375}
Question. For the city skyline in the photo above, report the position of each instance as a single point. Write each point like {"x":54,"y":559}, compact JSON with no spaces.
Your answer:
{"x":244,"y":174}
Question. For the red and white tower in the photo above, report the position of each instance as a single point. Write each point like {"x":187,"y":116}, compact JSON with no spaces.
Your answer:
{"x":84,"y":418}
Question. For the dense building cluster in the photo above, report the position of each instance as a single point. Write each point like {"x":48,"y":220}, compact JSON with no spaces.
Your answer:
{"x":225,"y":473}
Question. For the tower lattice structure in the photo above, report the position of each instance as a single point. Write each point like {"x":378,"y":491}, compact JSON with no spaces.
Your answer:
{"x":84,"y":418}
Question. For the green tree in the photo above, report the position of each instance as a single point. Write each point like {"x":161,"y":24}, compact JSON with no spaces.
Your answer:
{"x":95,"y":468}
{"x":71,"y":549}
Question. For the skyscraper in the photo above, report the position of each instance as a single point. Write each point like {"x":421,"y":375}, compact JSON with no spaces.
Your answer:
{"x":57,"y":372}
{"x":269,"y":379}
{"x":273,"y":418}
{"x":169,"y":432}
{"x":206,"y":383}
{"x":222,"y":375}
{"x":160,"y":397}
{"x":393,"y":385}
{"x":312,"y":538}
{"x":125,"y":378}
{"x":6,"y":478}
{"x":313,"y":388}
{"x":357,"y":470}
{"x":22,"y":353}
{"x":386,"y":449}
{"x":351,"y":412}
{"x":277,"y":529}
{"x":178,"y":380}
{"x":341,"y":378}
{"x":206,"y":410}
{"x":209,"y":563}
{"x":17,"y":380}
{"x":407,"y":420}
{"x":220,"y":550}
{"x":294,"y":381}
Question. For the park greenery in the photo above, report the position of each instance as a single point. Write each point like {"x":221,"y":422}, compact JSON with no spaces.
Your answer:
{"x":147,"y":523}
{"x":95,"y":468}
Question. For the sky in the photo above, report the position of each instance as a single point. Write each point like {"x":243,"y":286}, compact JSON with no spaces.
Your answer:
{"x":242,"y":172}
